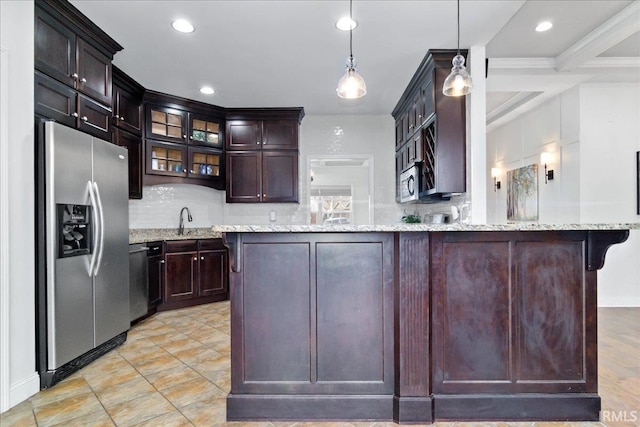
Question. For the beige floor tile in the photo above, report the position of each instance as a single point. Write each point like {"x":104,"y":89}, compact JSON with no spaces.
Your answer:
{"x":162,"y":362}
{"x":196,"y":390}
{"x":142,"y":355}
{"x":167,"y":337}
{"x":139,"y":410}
{"x":181,"y":344}
{"x":222,"y":347}
{"x":64,"y":389}
{"x":67,"y":409}
{"x":190,"y":355}
{"x":222,"y":379}
{"x":111,"y":361}
{"x":94,"y":419}
{"x":129,"y":390}
{"x":99,"y":382}
{"x":20,"y":415}
{"x":165,"y":379}
{"x":211,"y":413}
{"x":171,"y":419}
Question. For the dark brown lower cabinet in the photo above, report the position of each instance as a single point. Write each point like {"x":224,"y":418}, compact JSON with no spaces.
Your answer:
{"x":195,"y":273}
{"x":416,"y":326}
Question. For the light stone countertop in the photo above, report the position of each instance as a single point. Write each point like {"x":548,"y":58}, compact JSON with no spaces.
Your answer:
{"x":346,"y":228}
{"x":143,"y":235}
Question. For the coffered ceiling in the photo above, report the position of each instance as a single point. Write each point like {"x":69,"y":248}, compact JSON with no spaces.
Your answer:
{"x":289,"y":53}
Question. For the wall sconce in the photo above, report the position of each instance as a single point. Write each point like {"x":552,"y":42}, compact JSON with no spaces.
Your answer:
{"x":495,"y":172}
{"x":545,"y":158}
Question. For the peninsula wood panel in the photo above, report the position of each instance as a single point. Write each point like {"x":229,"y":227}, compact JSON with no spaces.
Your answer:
{"x":276,"y":308}
{"x":510,"y":313}
{"x":472,"y":332}
{"x":317,"y":314}
{"x":350,"y":312}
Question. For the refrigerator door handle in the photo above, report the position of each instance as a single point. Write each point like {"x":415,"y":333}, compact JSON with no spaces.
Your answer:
{"x":101,"y":243}
{"x":96,"y":229}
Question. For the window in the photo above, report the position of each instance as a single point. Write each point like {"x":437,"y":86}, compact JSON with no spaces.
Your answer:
{"x":331,"y":205}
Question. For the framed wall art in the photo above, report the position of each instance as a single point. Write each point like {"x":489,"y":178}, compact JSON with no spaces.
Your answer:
{"x":522,"y":194}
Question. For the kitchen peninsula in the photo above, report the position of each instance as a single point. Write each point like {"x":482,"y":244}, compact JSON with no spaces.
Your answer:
{"x":415,"y":323}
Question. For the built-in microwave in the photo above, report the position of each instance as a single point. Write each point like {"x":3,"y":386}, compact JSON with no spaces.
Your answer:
{"x":410,"y":184}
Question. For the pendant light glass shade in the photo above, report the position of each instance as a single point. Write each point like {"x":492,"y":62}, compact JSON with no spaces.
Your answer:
{"x":351,"y":85}
{"x":459,"y":82}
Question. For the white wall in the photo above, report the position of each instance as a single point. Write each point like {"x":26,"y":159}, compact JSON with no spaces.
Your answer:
{"x":610,"y":138}
{"x":16,"y":38}
{"x":593,"y":133}
{"x":319,"y":136}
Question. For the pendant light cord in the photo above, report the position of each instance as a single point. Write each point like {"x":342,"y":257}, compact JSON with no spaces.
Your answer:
{"x":458,"y":27}
{"x":351,"y":30}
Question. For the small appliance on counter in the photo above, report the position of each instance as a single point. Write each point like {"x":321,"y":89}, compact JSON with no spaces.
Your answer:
{"x":82,"y":256}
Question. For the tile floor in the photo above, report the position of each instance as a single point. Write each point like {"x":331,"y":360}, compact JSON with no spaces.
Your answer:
{"x":174,"y":370}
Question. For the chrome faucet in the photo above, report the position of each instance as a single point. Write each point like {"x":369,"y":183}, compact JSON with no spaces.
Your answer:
{"x":189,"y":218}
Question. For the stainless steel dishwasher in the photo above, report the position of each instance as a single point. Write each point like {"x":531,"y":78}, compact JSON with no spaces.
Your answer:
{"x":138,"y":281}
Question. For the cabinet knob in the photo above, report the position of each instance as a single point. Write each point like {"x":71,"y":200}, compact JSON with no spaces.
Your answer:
{"x":195,"y":258}
{"x":191,"y":171}
{"x":161,"y":261}
{"x":257,"y":195}
{"x":75,"y":76}
{"x":75,"y":114}
{"x":121,"y":118}
{"x":419,"y":116}
{"x":184,"y":136}
{"x":116,"y":117}
{"x":202,"y":258}
{"x":258,"y":142}
{"x":83,"y":80}
{"x":191,"y":137}
{"x":264,"y":195}
{"x":84,"y":118}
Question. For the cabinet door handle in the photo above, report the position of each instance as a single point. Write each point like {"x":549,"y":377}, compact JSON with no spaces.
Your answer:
{"x":264,"y":195}
{"x":74,"y":114}
{"x":155,"y":248}
{"x":202,"y":258}
{"x":195,"y":258}
{"x":258,"y":142}
{"x":84,"y":118}
{"x":74,"y":76}
{"x":191,"y":171}
{"x":116,"y":117}
{"x":161,"y":261}
{"x":83,"y":80}
{"x":121,"y":118}
{"x":184,"y":136}
{"x":257,"y":195}
{"x":191,"y":137}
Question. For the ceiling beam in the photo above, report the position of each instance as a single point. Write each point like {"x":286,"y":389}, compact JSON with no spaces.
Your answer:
{"x":622,"y":25}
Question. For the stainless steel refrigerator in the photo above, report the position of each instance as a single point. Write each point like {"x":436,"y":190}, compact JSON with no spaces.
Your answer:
{"x":86,"y":289}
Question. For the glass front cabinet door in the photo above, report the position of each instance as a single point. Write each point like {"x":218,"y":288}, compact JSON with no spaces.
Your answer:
{"x":205,"y":132}
{"x":166,"y":124}
{"x":205,"y":163}
{"x":166,"y":159}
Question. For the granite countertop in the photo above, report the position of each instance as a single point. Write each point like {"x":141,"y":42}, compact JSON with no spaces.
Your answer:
{"x":143,"y":235}
{"x":345,"y":228}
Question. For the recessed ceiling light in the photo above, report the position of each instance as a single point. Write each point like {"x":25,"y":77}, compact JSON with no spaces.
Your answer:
{"x":346,"y":24}
{"x":544,"y":26}
{"x":183,"y":26}
{"x":207,"y":90}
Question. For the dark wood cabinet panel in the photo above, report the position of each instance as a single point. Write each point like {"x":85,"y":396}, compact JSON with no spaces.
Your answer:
{"x":181,"y":276}
{"x":525,"y":329}
{"x":244,"y":135}
{"x":196,"y":273}
{"x":94,"y":72}
{"x":279,"y":176}
{"x":338,"y":306}
{"x":213,"y":265}
{"x":280,"y":135}
{"x":133,"y":144}
{"x":127,"y":110}
{"x":55,"y":48}
{"x":54,"y":100}
{"x":94,"y":119}
{"x":244,"y":176}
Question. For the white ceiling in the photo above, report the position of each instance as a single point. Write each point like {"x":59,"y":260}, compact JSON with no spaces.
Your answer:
{"x":289,"y":53}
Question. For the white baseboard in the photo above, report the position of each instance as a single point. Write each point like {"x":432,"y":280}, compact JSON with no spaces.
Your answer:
{"x":24,"y":389}
{"x":619,"y":302}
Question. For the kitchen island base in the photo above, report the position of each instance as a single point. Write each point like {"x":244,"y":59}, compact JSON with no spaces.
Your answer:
{"x":415,"y":327}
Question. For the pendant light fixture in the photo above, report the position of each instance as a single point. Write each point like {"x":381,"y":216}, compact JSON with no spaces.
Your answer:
{"x":351,"y":85}
{"x":459,"y":82}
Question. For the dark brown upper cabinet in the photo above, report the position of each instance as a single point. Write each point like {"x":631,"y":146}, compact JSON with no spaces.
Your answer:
{"x":205,"y":131}
{"x":262,"y":135}
{"x":262,"y":155}
{"x":73,"y":50}
{"x":167,"y":124}
{"x":127,"y":103}
{"x":431,"y":130}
